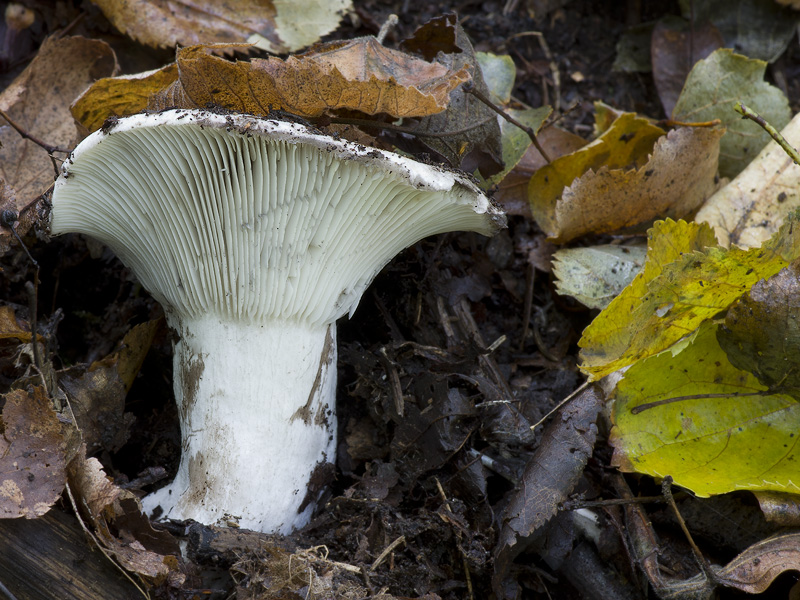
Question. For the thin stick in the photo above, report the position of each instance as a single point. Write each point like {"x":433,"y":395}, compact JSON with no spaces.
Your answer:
{"x":560,"y":404}
{"x":666,"y":489}
{"x":47,"y":147}
{"x":386,"y":551}
{"x":748,"y":113}
{"x":469,"y":87}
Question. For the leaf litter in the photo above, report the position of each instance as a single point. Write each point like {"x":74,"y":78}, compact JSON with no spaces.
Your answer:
{"x":467,"y":350}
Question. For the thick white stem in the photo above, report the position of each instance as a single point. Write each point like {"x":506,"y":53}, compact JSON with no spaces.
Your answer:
{"x":258,"y":422}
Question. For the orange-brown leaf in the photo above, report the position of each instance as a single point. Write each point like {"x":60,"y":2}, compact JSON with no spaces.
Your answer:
{"x":359,"y":75}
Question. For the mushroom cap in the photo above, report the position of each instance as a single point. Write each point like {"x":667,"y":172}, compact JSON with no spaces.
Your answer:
{"x":251,"y":218}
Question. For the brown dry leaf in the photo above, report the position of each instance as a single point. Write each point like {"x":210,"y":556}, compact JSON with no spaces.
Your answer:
{"x":467,"y":134}
{"x":32,"y":455}
{"x":97,"y":394}
{"x":678,"y":177}
{"x":277,"y":26}
{"x":672,"y":42}
{"x":110,"y":510}
{"x":11,"y":327}
{"x":358,"y":75}
{"x":512,"y":192}
{"x":549,"y":477}
{"x":119,"y":96}
{"x":780,"y":508}
{"x":38,"y":102}
{"x":752,"y":207}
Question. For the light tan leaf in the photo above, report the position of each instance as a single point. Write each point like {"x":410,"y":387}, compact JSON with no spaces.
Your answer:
{"x":11,"y":327}
{"x":674,"y":182}
{"x":38,"y":102}
{"x":277,"y":26}
{"x":120,"y":526}
{"x":32,"y":455}
{"x":753,"y":206}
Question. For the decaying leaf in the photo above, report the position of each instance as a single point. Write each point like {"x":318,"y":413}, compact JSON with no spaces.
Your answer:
{"x":466,"y":134}
{"x":277,"y":26}
{"x":714,"y":85}
{"x":118,"y":523}
{"x":38,"y":102}
{"x":673,"y":182}
{"x":549,"y":477}
{"x":357,"y":75}
{"x":678,"y":414}
{"x":780,"y":508}
{"x":686,"y":280}
{"x":595,"y":275}
{"x":673,"y":41}
{"x":753,"y":206}
{"x":32,"y":455}
{"x":761,"y":333}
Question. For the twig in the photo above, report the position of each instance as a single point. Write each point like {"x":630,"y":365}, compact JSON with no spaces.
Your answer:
{"x":560,"y":404}
{"x":6,"y":592}
{"x":551,"y":63}
{"x":47,"y":147}
{"x":467,"y":575}
{"x":666,"y":489}
{"x":470,"y":88}
{"x":530,"y":280}
{"x":748,"y":113}
{"x":386,"y":551}
{"x":387,"y":26}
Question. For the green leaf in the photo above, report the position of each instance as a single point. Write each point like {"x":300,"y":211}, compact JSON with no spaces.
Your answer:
{"x":685,"y":281}
{"x":761,"y":333}
{"x":713,"y":86}
{"x":710,"y":445}
{"x":499,"y":73}
{"x":594,"y":276}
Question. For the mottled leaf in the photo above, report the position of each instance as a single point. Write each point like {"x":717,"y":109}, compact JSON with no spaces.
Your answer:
{"x":595,"y":275}
{"x":714,"y":85}
{"x":686,"y":280}
{"x":690,"y":414}
{"x":32,"y":455}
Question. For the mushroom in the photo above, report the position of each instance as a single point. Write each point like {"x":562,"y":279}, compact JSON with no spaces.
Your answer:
{"x":255,"y":235}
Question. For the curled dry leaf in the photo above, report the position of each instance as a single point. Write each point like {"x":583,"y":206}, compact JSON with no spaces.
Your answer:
{"x":11,"y":327}
{"x":118,"y":523}
{"x":359,"y":75}
{"x":32,"y":455}
{"x":276,"y":26}
{"x":676,"y":179}
{"x":753,"y":206}
{"x":38,"y":102}
{"x":549,"y":477}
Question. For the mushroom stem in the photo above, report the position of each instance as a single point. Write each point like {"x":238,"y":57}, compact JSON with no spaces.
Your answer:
{"x":255,"y":403}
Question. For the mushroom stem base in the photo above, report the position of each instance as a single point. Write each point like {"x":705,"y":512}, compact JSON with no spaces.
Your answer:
{"x":258,"y":424}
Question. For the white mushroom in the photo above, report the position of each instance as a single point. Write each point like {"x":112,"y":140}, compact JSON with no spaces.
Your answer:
{"x":255,"y":235}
